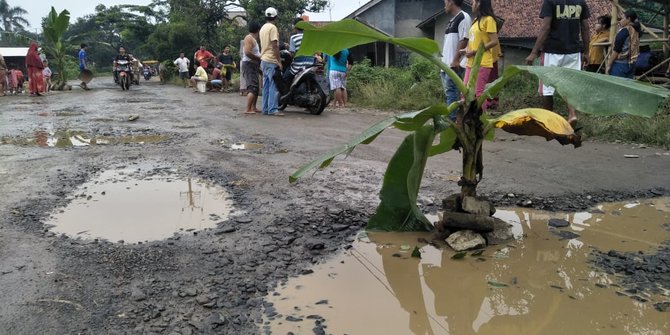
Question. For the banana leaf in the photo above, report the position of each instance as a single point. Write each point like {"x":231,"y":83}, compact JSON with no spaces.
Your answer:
{"x":592,"y":93}
{"x":397,"y":210}
{"x":538,"y":122}
{"x":407,"y":121}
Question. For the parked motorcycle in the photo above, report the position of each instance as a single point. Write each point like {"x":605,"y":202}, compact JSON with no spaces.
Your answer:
{"x":308,"y":89}
{"x":123,"y":69}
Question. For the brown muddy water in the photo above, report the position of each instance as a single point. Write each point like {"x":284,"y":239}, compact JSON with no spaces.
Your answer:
{"x":118,"y":206}
{"x":65,"y":138}
{"x":538,"y":284}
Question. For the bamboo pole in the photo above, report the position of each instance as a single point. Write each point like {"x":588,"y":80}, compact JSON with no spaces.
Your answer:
{"x":614,"y":21}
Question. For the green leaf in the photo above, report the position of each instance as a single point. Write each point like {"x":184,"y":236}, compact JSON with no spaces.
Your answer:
{"x":459,"y":255}
{"x":496,"y":284}
{"x":365,"y":137}
{"x":416,"y":253}
{"x":349,"y":33}
{"x":592,"y":93}
{"x":397,"y":210}
{"x":447,"y":140}
{"x":407,"y":121}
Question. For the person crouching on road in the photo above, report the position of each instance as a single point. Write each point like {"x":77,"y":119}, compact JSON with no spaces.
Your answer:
{"x":200,"y":75}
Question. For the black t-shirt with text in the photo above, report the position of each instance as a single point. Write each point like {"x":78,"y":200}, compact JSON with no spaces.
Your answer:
{"x":565,"y":33}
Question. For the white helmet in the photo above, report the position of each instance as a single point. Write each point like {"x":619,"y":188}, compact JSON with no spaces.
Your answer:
{"x":270,"y":12}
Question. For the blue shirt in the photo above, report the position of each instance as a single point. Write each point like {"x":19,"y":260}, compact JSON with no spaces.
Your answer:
{"x":338,"y":63}
{"x":82,"y":59}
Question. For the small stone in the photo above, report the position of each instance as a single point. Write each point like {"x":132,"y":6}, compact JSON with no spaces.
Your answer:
{"x":558,"y":223}
{"x":293,"y":319}
{"x":137,"y":294}
{"x":190,"y":292}
{"x":244,"y":220}
{"x":662,"y":306}
{"x":201,"y":299}
{"x":465,"y":240}
{"x":322,"y":302}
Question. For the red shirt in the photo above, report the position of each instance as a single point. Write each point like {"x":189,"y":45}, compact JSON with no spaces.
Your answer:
{"x":203,"y":57}
{"x":216,"y":74}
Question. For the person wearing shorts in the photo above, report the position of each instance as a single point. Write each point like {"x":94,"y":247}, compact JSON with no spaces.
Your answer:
{"x":182,"y":64}
{"x":338,"y":66}
{"x":251,"y":60}
{"x":563,"y":21}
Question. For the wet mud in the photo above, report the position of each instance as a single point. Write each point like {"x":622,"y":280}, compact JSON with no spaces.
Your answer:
{"x":216,"y":280}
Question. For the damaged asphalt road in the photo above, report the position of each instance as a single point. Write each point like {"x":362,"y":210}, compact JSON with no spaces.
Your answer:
{"x":213,"y":281}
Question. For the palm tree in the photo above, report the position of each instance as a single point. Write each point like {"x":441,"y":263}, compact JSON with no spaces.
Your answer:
{"x":11,"y":18}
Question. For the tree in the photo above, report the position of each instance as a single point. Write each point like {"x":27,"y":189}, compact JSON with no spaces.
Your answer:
{"x":398,"y":210}
{"x":287,"y":10}
{"x":56,"y":46}
{"x":11,"y":18}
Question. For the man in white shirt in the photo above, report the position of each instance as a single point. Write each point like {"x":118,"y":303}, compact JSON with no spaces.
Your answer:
{"x":455,"y":39}
{"x":182,"y":64}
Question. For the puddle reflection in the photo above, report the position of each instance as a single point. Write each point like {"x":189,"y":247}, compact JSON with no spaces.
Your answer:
{"x":62,"y":138}
{"x":116,"y":206}
{"x":535,"y":285}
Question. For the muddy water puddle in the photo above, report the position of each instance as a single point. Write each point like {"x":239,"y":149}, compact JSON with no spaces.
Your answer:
{"x":63,"y":138}
{"x":538,"y":284}
{"x":118,"y":205}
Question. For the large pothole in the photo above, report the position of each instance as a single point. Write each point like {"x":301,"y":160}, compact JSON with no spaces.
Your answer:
{"x":126,"y":205}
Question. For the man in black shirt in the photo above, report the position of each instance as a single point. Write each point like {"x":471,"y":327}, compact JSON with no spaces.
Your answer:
{"x":563,"y":22}
{"x":227,"y":64}
{"x":123,"y":56}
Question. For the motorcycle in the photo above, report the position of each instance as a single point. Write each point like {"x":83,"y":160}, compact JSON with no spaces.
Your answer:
{"x":124,"y":73}
{"x":308,"y":89}
{"x":146,"y":73}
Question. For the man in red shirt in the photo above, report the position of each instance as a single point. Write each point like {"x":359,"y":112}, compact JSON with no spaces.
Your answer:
{"x":203,"y":56}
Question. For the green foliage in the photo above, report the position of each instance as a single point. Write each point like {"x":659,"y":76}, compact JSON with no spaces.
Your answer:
{"x":628,"y":128}
{"x":398,"y":210}
{"x":394,"y":88}
{"x":11,"y":18}
{"x":55,"y":47}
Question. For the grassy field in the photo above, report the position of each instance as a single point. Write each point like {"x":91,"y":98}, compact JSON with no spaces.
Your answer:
{"x":419,"y":86}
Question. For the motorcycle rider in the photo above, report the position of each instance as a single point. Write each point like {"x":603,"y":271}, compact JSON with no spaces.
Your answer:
{"x":301,"y":62}
{"x":123,"y":56}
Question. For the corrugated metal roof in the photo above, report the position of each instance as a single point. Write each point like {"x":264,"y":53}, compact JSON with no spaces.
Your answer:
{"x":13,"y":52}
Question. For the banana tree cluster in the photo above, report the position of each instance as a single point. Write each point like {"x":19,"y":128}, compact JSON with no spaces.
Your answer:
{"x":588,"y":92}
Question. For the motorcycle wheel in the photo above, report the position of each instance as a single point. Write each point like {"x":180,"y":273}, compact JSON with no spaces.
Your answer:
{"x":282,"y":107}
{"x":125,"y":83}
{"x":318,"y":108}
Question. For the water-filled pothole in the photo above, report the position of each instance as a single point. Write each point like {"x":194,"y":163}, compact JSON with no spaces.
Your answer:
{"x":65,"y":138}
{"x":121,"y":205}
{"x":539,"y":284}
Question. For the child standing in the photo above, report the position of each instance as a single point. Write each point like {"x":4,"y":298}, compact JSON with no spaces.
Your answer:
{"x":46,"y":72}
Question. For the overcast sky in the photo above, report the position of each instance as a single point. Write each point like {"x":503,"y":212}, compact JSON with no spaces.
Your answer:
{"x":78,"y":8}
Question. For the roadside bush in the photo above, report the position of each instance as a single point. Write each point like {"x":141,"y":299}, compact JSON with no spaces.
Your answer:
{"x":414,"y":87}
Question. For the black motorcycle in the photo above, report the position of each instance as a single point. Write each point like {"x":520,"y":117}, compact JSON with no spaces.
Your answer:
{"x":308,"y":89}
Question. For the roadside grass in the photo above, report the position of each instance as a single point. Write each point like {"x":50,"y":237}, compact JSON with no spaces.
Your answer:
{"x":418,"y":86}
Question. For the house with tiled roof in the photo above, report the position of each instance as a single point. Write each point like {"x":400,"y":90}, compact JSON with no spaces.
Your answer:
{"x":426,"y":18}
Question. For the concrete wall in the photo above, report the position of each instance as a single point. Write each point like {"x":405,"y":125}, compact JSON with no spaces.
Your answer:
{"x":381,"y":16}
{"x":409,"y":13}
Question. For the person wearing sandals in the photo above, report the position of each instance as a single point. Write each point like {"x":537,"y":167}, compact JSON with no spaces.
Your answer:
{"x":621,"y":62}
{"x":251,"y":60}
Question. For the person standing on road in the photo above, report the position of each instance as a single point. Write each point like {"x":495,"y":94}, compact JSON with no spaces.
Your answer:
{"x":3,"y":76}
{"x":621,"y":63}
{"x":455,"y":39}
{"x":338,"y":67}
{"x":34,"y":66}
{"x":270,"y":63}
{"x":484,"y":31}
{"x":563,"y":21}
{"x":251,"y":61}
{"x":182,"y":64}
{"x":46,"y":72}
{"x":227,"y":65}
{"x":83,"y":63}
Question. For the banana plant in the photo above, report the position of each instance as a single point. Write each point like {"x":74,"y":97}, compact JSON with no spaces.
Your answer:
{"x":588,"y":92}
{"x":55,"y":26}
